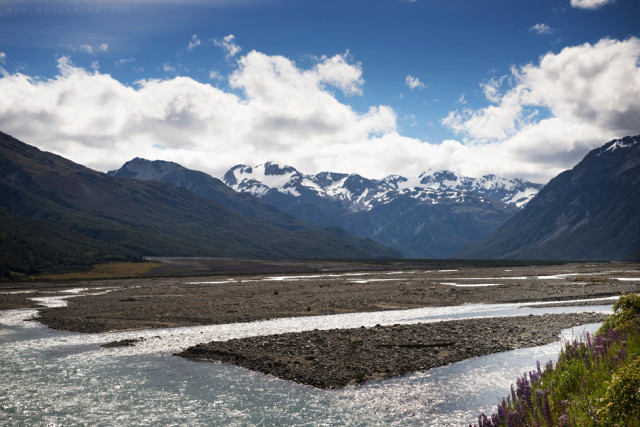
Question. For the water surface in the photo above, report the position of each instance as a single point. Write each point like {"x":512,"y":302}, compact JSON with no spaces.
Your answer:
{"x":61,"y":378}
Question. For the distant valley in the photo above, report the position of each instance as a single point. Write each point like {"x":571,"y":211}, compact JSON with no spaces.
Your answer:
{"x":431,"y":216}
{"x":56,"y":214}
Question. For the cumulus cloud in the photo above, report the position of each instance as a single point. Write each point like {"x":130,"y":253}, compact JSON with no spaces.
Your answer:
{"x":413,"y":82}
{"x":541,"y":29}
{"x":583,"y":95}
{"x":590,"y":4}
{"x":570,"y":101}
{"x":194,"y":42}
{"x":229,"y":45}
{"x":286,"y":113}
{"x":337,"y":71}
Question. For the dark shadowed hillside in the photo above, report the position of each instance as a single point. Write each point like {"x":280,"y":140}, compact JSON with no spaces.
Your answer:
{"x":246,"y":204}
{"x":101,"y":217}
{"x":591,"y":212}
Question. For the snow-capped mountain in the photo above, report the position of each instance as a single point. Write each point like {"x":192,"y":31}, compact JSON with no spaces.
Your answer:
{"x":430,"y":216}
{"x":358,"y":193}
{"x":247,"y":205}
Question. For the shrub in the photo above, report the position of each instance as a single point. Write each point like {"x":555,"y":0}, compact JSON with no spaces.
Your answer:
{"x":620,"y":405}
{"x":624,"y":310}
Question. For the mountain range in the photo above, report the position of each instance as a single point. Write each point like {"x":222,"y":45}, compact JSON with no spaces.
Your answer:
{"x":57,"y":213}
{"x":434,"y":215}
{"x":591,"y":212}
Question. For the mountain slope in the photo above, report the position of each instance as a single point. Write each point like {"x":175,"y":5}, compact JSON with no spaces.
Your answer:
{"x":246,"y":204}
{"x":591,"y":212}
{"x":133,"y":218}
{"x":431,"y":216}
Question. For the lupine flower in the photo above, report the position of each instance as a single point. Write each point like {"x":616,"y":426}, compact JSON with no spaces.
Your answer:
{"x":547,"y":408}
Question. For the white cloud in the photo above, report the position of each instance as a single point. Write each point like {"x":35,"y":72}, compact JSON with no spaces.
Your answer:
{"x":590,"y":4}
{"x":123,"y":61}
{"x":569,"y":102}
{"x":95,"y":65}
{"x":336,"y":71}
{"x":413,"y":82}
{"x":194,"y":42}
{"x":168,"y":68}
{"x":91,"y":50}
{"x":541,"y":29}
{"x":229,"y":45}
{"x":287,"y":113}
{"x":3,"y":57}
{"x":585,"y":95}
{"x":215,"y":75}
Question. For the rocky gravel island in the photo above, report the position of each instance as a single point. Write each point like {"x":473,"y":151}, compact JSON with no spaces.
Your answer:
{"x":340,"y":357}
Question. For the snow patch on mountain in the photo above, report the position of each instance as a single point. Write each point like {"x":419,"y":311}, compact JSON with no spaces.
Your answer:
{"x":626,"y":142}
{"x":358,"y":193}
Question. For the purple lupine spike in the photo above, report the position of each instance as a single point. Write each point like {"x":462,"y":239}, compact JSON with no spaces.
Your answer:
{"x":547,"y":408}
{"x":502,"y":413}
{"x":513,"y":395}
{"x":514,"y":419}
{"x":538,"y":367}
{"x":587,"y":362}
{"x":483,"y":421}
{"x":549,"y":366}
{"x":536,"y":418}
{"x":522,"y":409}
{"x":622,"y":353}
{"x":494,"y":419}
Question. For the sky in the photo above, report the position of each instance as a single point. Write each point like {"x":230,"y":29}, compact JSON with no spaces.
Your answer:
{"x":378,"y":87}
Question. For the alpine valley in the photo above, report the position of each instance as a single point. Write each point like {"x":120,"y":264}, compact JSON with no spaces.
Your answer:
{"x":434,"y":215}
{"x":57,"y":213}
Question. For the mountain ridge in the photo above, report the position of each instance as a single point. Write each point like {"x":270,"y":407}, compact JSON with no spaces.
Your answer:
{"x":214,"y":189}
{"x":431,"y":216}
{"x":108,"y":217}
{"x":589,"y":212}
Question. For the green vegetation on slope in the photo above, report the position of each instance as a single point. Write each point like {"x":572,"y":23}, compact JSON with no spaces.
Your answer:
{"x":596,"y":381}
{"x":29,"y":246}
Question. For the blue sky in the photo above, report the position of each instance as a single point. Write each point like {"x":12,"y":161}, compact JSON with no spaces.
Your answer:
{"x":374,"y":87}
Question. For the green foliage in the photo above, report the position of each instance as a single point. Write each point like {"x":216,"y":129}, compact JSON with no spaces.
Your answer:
{"x":620,"y":405}
{"x":596,"y":380}
{"x":624,"y":310}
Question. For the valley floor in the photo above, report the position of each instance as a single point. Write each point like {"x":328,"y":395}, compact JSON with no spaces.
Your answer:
{"x":117,"y":305}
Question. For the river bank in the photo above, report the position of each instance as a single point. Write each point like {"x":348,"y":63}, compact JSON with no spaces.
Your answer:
{"x":172,"y":302}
